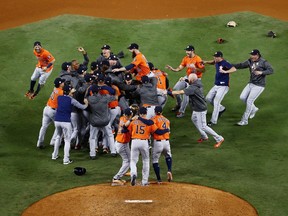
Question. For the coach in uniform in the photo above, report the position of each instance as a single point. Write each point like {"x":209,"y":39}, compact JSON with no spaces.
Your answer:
{"x":221,"y":86}
{"x":199,"y":107}
{"x":258,"y":68}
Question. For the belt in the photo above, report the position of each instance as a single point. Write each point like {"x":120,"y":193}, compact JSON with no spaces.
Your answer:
{"x":51,"y":108}
{"x":162,"y":140}
{"x":112,"y":107}
{"x":139,"y":139}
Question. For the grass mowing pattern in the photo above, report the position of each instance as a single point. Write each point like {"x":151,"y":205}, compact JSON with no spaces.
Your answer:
{"x":252,"y":162}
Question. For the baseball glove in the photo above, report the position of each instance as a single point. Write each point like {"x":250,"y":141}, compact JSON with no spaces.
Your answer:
{"x":220,"y":40}
{"x":271,"y":34}
{"x":79,"y":171}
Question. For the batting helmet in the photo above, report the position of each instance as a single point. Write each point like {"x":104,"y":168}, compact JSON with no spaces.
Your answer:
{"x":79,"y":171}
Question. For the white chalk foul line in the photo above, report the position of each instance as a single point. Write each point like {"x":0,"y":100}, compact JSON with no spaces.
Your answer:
{"x":138,"y":201}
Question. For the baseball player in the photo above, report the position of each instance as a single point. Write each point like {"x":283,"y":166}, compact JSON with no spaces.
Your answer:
{"x":128,"y":90}
{"x":199,"y":107}
{"x":43,"y":69}
{"x":63,"y":121}
{"x":258,"y":68}
{"x":162,"y":84}
{"x":122,"y":147}
{"x":138,"y":66}
{"x":193,"y":64}
{"x":140,"y":129}
{"x":148,"y":94}
{"x":50,"y":110}
{"x":99,"y":117}
{"x":161,"y":145}
{"x":140,"y":133}
{"x":221,"y":86}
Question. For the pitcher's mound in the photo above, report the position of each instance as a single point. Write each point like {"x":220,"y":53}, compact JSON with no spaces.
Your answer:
{"x":165,"y":199}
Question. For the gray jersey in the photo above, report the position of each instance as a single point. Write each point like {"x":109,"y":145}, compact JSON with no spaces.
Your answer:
{"x":196,"y":96}
{"x":260,"y":65}
{"x":148,"y":92}
{"x":99,"y":116}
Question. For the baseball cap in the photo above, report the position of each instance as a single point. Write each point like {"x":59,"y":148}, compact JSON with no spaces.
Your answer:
{"x":106,"y":46}
{"x":128,"y":112}
{"x":158,"y":109}
{"x":94,"y":65}
{"x":88,"y":77}
{"x":112,"y":57}
{"x":65,"y":65}
{"x":58,"y":81}
{"x":128,"y":76}
{"x":108,"y":81}
{"x":67,"y":88}
{"x":37,"y":43}
{"x":105,"y":62}
{"x":145,"y":79}
{"x":133,"y":46}
{"x":82,"y":69}
{"x":218,"y":54}
{"x":189,"y":48}
{"x":101,"y":77}
{"x":143,"y":110}
{"x":151,"y":65}
{"x":255,"y":52}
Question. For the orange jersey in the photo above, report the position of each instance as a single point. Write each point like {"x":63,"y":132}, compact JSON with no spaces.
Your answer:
{"x":139,"y":130}
{"x":161,"y":79}
{"x":141,"y":66}
{"x":196,"y":60}
{"x":44,"y":58}
{"x":117,"y":94}
{"x":53,"y":99}
{"x":122,"y":137}
{"x":162,"y":123}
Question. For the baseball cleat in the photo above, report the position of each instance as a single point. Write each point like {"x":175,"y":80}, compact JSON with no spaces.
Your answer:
{"x":202,"y":140}
{"x":210,"y":124}
{"x":55,"y":158}
{"x":180,"y":115}
{"x":169,"y":176}
{"x":221,"y":113}
{"x":242,"y":123}
{"x":105,"y":150}
{"x":32,"y":97}
{"x":133,"y":180}
{"x":28,"y":93}
{"x":118,"y":182}
{"x":68,"y":162}
{"x":217,"y":145}
{"x":252,"y":115}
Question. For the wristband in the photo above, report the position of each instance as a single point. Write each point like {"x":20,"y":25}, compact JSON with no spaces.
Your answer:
{"x":49,"y":65}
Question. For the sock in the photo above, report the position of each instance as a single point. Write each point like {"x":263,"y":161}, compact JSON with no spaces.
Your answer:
{"x":38,"y":89}
{"x":169,"y":163}
{"x":32,"y":84}
{"x":157,"y":171}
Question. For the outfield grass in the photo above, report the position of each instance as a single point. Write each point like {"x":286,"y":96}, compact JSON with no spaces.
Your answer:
{"x":252,"y":163}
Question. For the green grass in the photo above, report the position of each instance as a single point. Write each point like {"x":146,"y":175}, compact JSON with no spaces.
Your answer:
{"x":252,"y":163}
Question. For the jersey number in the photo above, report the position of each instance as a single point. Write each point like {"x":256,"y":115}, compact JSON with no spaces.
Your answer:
{"x":140,"y":129}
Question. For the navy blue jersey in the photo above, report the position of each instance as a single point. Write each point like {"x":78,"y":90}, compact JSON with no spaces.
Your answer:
{"x":65,"y":104}
{"x":222,"y":79}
